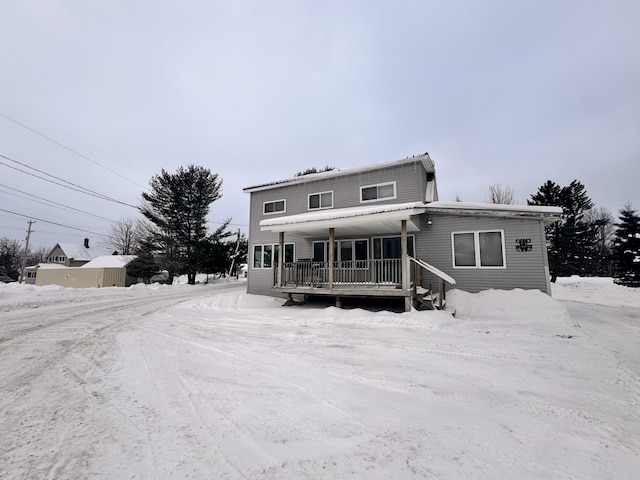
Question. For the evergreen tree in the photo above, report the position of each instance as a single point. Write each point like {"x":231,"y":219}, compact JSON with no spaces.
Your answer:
{"x":626,"y":248}
{"x":143,"y":267}
{"x":10,"y":257}
{"x":177,"y":206}
{"x":571,"y":243}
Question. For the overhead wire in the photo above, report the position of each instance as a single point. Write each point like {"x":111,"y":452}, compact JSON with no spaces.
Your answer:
{"x":66,"y":184}
{"x":70,"y":185}
{"x":49,"y":222}
{"x":51,"y":203}
{"x":234,"y":224}
{"x":75,"y":152}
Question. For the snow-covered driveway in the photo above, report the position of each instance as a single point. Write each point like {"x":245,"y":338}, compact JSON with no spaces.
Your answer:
{"x":234,"y":386}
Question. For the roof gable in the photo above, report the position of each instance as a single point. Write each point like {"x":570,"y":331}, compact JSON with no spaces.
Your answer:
{"x":77,"y":251}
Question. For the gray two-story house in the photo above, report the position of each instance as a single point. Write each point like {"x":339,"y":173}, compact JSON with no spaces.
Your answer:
{"x":380,"y":231}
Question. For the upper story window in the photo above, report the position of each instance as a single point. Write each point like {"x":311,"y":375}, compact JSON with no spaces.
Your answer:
{"x":381,"y":191}
{"x":276,"y":206}
{"x":320,"y":200}
{"x":478,"y":249}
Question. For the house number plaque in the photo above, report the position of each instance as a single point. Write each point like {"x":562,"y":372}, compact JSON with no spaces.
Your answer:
{"x":523,"y":245}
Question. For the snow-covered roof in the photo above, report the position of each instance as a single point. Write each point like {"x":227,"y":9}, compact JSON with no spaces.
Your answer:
{"x":110,"y":261}
{"x":339,"y":172}
{"x":78,"y":251}
{"x":357,"y":219}
{"x":550,"y":214}
{"x":47,"y":266}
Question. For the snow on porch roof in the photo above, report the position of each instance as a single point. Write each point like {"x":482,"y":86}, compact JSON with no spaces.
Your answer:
{"x":372,"y":219}
{"x":549,"y":214}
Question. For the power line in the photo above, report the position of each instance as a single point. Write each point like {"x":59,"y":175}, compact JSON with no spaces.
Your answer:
{"x":73,"y":186}
{"x":51,"y":203}
{"x":221,"y":223}
{"x":52,"y":223}
{"x":75,"y":152}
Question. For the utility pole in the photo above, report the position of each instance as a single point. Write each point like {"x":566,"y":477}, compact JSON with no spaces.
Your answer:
{"x":26,"y":251}
{"x":235,"y":255}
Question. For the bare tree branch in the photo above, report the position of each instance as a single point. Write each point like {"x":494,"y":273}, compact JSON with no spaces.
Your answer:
{"x":499,"y":194}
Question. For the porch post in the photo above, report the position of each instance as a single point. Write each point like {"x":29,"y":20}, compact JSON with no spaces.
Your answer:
{"x":404,"y":260}
{"x":405,"y":266}
{"x":332,"y":234}
{"x":280,"y":259}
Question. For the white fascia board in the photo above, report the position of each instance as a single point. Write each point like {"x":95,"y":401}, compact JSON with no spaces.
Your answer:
{"x":343,"y":217}
{"x":493,"y":207}
{"x":548,"y":214}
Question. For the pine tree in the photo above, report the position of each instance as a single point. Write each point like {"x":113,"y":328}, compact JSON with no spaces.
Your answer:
{"x":626,"y":248}
{"x":177,"y":206}
{"x":571,"y":243}
{"x":143,"y":267}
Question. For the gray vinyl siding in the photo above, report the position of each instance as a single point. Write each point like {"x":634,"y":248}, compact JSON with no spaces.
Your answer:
{"x":524,"y":270}
{"x":433,"y":244}
{"x":410,"y":178}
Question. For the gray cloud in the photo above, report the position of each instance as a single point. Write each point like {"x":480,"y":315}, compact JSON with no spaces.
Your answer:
{"x":495,"y":91}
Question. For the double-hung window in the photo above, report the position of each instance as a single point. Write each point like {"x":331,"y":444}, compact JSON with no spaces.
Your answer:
{"x":481,"y":249}
{"x":276,"y":206}
{"x":381,"y":191}
{"x":320,"y":200}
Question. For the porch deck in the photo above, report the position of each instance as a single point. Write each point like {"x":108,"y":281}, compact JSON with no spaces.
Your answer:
{"x":374,"y":278}
{"x":358,"y":278}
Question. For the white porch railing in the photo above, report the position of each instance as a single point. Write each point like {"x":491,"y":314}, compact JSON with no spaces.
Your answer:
{"x":355,"y":272}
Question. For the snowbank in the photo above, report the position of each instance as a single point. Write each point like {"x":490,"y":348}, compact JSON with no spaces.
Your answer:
{"x":596,"y":290}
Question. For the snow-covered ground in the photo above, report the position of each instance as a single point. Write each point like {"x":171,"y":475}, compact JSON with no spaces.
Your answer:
{"x":209,"y":382}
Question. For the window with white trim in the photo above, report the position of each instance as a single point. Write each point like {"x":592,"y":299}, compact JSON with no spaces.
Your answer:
{"x":266,"y":256}
{"x":381,"y":191}
{"x":344,"y":251}
{"x":391,"y":247}
{"x":320,"y":200}
{"x":275,"y":206}
{"x":479,"y":249}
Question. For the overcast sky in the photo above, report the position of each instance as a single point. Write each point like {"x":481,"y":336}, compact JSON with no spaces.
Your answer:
{"x":510,"y":92}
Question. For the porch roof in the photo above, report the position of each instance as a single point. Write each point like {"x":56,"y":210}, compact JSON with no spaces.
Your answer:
{"x":548,"y":214}
{"x":363,"y":220}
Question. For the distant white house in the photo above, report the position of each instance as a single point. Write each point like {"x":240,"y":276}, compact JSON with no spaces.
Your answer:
{"x":74,"y":255}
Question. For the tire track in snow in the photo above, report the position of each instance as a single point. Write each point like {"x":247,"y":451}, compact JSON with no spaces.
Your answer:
{"x":52,"y":375}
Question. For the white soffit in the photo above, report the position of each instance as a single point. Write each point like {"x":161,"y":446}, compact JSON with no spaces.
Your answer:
{"x":348,"y":221}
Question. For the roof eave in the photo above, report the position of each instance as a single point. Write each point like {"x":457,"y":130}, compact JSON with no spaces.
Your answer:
{"x":424,"y":159}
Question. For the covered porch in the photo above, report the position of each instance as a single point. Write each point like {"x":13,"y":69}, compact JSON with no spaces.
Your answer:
{"x":373,"y":276}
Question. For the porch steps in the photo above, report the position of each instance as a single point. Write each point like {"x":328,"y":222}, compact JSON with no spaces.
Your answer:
{"x":426,"y":300}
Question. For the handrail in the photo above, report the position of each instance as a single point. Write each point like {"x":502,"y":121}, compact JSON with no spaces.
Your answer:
{"x":436,"y":271}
